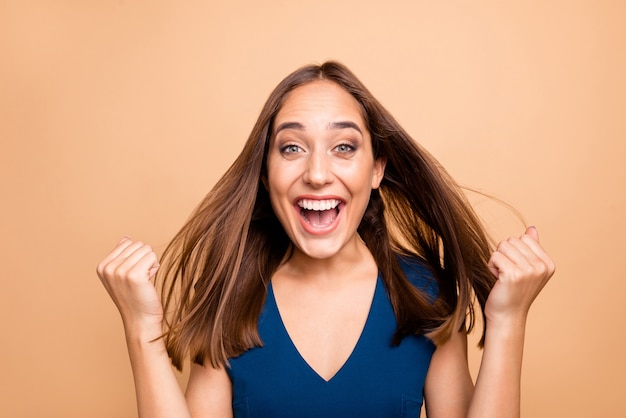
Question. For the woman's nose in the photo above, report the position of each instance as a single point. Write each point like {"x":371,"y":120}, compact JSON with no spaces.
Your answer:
{"x":318,"y":170}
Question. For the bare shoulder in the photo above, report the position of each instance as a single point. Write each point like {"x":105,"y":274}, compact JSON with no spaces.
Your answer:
{"x":209,"y":392}
{"x":448,"y":388}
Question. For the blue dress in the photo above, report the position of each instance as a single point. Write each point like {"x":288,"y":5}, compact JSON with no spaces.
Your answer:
{"x":377,"y":380}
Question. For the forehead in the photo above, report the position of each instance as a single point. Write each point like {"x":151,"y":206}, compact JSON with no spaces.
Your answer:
{"x":320,"y":100}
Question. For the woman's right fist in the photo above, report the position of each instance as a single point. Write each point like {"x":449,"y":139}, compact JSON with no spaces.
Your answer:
{"x":126,"y":273}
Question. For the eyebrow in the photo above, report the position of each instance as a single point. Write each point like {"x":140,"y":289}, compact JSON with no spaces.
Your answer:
{"x":334,"y":125}
{"x":345,"y":125}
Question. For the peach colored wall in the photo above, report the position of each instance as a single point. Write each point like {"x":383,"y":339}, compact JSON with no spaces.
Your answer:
{"x":117,"y":116}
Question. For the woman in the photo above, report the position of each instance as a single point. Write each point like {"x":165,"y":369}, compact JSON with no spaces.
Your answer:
{"x":330,"y":272}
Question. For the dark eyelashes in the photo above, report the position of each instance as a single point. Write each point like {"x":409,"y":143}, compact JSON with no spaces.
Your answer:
{"x":289,"y":148}
{"x":347,"y":147}
{"x":341,"y":148}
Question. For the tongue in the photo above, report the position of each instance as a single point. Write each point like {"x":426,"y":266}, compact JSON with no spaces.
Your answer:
{"x":320,"y":218}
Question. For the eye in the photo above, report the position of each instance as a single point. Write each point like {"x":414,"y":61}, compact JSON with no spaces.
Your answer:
{"x":290,"y":149}
{"x":345,"y":148}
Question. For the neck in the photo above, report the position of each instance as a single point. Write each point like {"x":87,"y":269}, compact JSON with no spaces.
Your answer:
{"x":352,"y":257}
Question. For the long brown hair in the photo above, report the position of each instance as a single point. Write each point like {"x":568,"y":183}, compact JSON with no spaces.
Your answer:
{"x":216,"y":270}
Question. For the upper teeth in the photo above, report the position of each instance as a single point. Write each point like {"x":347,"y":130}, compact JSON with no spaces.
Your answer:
{"x":309,"y":204}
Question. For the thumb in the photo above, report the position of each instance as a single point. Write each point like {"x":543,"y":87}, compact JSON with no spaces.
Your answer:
{"x":532,"y":232}
{"x":153,"y":269}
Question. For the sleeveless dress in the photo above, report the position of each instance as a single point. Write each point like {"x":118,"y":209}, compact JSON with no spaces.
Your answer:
{"x":377,"y":380}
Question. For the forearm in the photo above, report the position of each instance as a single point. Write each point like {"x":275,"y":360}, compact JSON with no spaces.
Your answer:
{"x":498,"y":385}
{"x":126,"y":273}
{"x":157,"y":389}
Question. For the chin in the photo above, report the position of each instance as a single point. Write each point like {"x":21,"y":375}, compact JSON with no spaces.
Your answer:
{"x":319,"y":251}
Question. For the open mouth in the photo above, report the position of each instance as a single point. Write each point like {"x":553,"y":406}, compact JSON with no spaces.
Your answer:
{"x":319,"y":213}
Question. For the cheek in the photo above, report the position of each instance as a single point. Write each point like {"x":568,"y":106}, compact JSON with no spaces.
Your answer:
{"x":276,"y":182}
{"x":278,"y":189}
{"x":274,"y":174}
{"x":281,"y":173}
{"x":357,"y":176}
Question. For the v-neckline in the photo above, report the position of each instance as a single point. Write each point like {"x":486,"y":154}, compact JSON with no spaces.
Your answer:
{"x":298,"y":354}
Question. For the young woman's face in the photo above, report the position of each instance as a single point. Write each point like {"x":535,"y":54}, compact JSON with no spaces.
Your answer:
{"x":321,"y":168}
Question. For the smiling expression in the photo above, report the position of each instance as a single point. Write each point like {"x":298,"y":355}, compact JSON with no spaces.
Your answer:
{"x":321,"y":168}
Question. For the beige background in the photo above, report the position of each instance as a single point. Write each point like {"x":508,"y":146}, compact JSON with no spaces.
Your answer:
{"x":117,"y":116}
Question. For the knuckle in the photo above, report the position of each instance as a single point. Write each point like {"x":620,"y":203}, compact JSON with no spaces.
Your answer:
{"x":542,"y":269}
{"x":119,"y":272}
{"x":134,"y":276}
{"x":533,"y":271}
{"x":109,"y":271}
{"x":518,"y":275}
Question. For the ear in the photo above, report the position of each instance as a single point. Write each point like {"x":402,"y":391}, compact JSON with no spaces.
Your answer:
{"x":378,"y":172}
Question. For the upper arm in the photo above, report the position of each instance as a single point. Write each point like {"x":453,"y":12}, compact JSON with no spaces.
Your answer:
{"x":448,"y":387}
{"x":209,"y":392}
